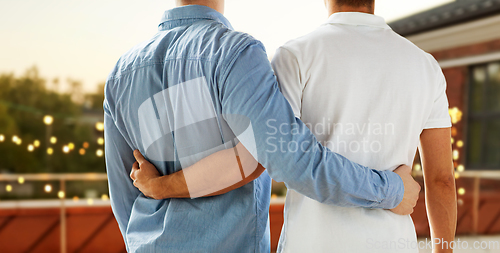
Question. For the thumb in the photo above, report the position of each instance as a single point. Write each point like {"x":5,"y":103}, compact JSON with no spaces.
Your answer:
{"x":138,"y":157}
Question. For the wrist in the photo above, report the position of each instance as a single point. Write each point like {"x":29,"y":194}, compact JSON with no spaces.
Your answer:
{"x":170,"y":186}
{"x":159,"y":191}
{"x":394,"y":189}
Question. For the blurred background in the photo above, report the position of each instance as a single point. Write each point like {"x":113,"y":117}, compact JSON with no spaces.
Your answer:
{"x":55,"y":56}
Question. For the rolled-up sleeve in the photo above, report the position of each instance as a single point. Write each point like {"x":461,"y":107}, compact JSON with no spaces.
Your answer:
{"x":286,"y":147}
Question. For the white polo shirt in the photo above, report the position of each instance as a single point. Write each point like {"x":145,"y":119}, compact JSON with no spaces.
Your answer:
{"x":366,"y":93}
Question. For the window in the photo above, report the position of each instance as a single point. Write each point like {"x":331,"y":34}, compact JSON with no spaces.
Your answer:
{"x":483,"y":149}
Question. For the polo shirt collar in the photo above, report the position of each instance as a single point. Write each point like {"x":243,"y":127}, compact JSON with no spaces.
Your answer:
{"x":358,"y":19}
{"x":189,"y":14}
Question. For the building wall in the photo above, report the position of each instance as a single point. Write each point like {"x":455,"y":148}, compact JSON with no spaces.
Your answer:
{"x":457,"y":49}
{"x":469,"y":50}
{"x":457,"y":78}
{"x":460,"y":35}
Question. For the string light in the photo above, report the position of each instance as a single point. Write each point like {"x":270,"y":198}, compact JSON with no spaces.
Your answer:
{"x":99,"y":126}
{"x":61,"y":194}
{"x":417,"y":167}
{"x":456,"y":115}
{"x":8,"y":188}
{"x":53,"y":140}
{"x":48,"y":188}
{"x":460,"y":144}
{"x":36,"y":143}
{"x":19,"y":142}
{"x":90,"y":202}
{"x":15,"y":139}
{"x":71,"y":145}
{"x":460,"y":168}
{"x":48,"y":120}
{"x":50,"y":151}
{"x":457,"y":175}
{"x":20,"y":180}
{"x":104,"y":197}
{"x":85,"y":145}
{"x":75,"y":198}
{"x":2,"y":138}
{"x":66,"y":149}
{"x":99,"y":153}
{"x":456,"y":155}
{"x":81,"y":151}
{"x":461,"y":191}
{"x":100,"y":141}
{"x":31,"y":148}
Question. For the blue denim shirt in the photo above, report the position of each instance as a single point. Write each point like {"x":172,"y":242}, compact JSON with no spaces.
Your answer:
{"x":198,"y":70}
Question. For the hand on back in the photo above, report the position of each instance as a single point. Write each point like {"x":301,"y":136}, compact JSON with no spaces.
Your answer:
{"x":412,"y":191}
{"x":145,"y":176}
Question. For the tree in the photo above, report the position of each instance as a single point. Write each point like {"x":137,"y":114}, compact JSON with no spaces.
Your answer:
{"x":24,"y":101}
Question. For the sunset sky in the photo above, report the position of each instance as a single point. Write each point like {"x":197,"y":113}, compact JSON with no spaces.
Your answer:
{"x":83,"y":39}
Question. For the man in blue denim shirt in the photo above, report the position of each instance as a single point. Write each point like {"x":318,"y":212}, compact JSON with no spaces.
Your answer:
{"x":196,"y":88}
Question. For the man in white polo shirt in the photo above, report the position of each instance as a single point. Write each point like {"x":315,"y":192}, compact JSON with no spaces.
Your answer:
{"x":371,"y":96}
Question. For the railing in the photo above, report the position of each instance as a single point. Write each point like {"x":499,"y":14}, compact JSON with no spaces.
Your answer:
{"x":476,"y":175}
{"x":62,"y":178}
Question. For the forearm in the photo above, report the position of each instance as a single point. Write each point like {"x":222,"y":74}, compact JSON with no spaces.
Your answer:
{"x":332,"y":179}
{"x":174,"y":185}
{"x":442,"y":212}
{"x":317,"y":172}
{"x":435,"y":153}
{"x":247,"y":180}
{"x":214,"y":175}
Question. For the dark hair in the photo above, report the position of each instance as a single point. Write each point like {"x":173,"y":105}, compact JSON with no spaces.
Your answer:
{"x":356,"y":3}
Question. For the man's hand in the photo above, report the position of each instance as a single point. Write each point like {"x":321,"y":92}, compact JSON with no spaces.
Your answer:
{"x":145,"y":176}
{"x":412,"y":191}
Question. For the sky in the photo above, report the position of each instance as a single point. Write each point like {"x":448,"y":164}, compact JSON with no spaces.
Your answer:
{"x":83,"y":39}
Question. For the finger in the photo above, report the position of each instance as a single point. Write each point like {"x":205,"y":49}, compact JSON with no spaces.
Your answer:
{"x":134,"y":170}
{"x":138,"y":156}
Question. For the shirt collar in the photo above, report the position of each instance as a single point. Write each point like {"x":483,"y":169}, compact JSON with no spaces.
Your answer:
{"x":358,"y":18}
{"x":189,"y":14}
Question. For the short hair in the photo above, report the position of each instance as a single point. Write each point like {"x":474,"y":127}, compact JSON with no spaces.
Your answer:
{"x":356,"y":3}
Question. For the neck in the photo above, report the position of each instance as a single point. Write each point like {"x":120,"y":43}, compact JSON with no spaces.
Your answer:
{"x":217,"y":5}
{"x":334,"y":8}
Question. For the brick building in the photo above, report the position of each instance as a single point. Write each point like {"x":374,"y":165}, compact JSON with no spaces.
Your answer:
{"x":464,"y":36}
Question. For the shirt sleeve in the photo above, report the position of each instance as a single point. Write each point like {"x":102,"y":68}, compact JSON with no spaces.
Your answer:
{"x":119,"y":161}
{"x":286,"y":69}
{"x":439,"y":116}
{"x":286,"y":147}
